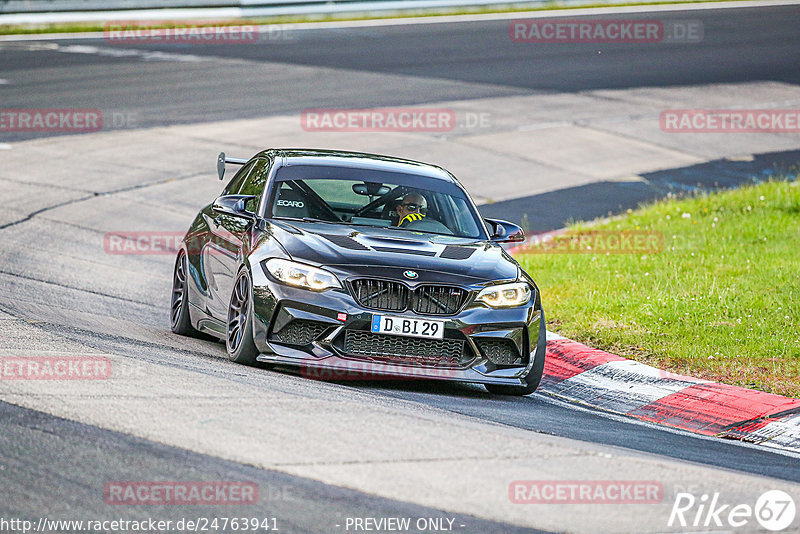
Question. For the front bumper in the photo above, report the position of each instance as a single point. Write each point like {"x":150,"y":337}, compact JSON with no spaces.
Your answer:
{"x":301,"y":328}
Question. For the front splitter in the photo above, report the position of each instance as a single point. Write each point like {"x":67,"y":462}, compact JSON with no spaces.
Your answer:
{"x":336,"y":368}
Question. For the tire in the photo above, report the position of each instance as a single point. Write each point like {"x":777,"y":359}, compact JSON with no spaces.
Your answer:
{"x":180,"y":321}
{"x":239,"y":329}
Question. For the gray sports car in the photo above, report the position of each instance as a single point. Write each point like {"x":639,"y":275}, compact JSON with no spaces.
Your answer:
{"x":355,"y":263}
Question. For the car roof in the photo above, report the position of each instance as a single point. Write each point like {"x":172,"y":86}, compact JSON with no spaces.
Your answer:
{"x":360,"y":160}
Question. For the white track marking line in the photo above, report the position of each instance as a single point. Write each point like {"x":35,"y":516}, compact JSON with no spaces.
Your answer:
{"x":146,"y":55}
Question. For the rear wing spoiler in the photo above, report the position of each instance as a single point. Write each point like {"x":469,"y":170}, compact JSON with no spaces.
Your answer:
{"x":222,"y":159}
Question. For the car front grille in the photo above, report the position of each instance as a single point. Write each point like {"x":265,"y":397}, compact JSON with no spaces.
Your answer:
{"x":299,"y":332}
{"x":401,"y":349}
{"x":499,"y":351}
{"x":388,"y":295}
{"x":381,"y":294}
{"x":437,"y":300}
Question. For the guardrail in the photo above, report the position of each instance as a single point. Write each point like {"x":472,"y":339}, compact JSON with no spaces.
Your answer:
{"x":50,"y":6}
{"x":59,"y":11}
{"x":60,"y":6}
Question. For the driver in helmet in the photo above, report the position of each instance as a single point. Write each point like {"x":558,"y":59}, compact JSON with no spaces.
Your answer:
{"x":412,"y":207}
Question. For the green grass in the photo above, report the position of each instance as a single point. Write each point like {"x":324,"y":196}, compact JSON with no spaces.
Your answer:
{"x":720,"y":301}
{"x":77,"y":27}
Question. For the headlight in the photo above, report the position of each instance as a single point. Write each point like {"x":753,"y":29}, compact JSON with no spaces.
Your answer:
{"x":300,"y":275}
{"x":506,"y":295}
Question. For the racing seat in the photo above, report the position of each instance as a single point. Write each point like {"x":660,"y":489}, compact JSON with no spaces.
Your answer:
{"x":291,"y":203}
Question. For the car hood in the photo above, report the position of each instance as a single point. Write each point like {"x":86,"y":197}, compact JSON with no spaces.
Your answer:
{"x":388,"y":252}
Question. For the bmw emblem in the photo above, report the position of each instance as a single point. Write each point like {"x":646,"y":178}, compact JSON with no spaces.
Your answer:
{"x":410,"y":274}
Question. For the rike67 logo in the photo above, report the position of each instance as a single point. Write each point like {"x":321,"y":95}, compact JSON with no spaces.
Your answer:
{"x":774,"y":510}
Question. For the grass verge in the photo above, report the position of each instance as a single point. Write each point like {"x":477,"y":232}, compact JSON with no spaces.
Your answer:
{"x":719,"y":301}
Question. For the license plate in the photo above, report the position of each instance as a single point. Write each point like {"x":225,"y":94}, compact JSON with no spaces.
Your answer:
{"x":407,"y":326}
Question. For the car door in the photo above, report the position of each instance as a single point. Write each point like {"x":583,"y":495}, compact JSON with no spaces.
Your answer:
{"x":221,"y":256}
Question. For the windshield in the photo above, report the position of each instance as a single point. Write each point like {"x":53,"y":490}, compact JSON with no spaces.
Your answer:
{"x":373,"y":198}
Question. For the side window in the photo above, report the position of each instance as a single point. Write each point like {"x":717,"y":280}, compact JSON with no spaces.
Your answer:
{"x":238,"y":179}
{"x":254,"y":183}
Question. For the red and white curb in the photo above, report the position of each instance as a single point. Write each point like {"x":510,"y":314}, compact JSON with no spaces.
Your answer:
{"x":592,"y":377}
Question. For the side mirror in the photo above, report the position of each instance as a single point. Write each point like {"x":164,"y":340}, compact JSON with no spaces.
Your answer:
{"x":505,"y":232}
{"x":234,"y":205}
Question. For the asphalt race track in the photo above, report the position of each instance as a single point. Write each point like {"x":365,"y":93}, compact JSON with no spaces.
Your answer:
{"x":295,"y":70}
{"x":319,"y":452}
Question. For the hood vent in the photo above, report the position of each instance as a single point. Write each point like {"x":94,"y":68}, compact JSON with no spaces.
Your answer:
{"x":452,"y":252}
{"x":344,"y":241}
{"x":405,"y":251}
